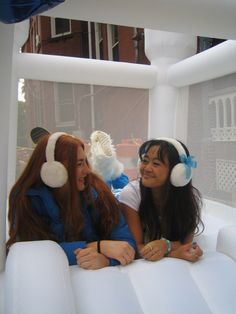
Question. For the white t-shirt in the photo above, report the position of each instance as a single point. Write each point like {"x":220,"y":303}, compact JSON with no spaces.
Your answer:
{"x":130,"y":195}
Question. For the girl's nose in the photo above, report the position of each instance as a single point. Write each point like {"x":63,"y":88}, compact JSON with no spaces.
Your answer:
{"x":148,"y":167}
{"x":86,"y":169}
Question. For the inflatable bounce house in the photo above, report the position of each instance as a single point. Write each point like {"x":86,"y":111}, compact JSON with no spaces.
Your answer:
{"x":191,"y":97}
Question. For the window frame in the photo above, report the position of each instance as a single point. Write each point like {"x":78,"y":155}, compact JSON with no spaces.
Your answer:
{"x":53,"y":28}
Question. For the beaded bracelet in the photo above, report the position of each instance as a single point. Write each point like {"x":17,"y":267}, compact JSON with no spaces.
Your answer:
{"x":169,"y":246}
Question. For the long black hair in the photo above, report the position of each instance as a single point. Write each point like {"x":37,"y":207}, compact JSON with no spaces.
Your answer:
{"x":178,"y":214}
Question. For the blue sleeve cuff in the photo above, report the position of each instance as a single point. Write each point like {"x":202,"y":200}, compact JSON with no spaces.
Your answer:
{"x":70,"y":247}
{"x":120,"y":182}
{"x":113,"y":262}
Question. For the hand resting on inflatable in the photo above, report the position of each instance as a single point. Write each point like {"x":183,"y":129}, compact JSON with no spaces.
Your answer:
{"x":89,"y":258}
{"x":189,"y":252}
{"x":119,"y":250}
{"x":154,"y":250}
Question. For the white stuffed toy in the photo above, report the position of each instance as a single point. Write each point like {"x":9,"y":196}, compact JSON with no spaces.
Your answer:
{"x":104,"y":161}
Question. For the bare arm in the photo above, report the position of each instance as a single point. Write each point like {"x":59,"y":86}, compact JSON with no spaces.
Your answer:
{"x":156,"y":249}
{"x":133,"y":221}
{"x":189,"y":250}
{"x":89,"y":258}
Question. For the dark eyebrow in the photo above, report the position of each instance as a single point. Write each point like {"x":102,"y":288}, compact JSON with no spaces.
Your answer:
{"x":146,"y":156}
{"x":154,"y":159}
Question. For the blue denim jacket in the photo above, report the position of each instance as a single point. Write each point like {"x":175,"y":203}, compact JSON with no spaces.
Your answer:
{"x":45,"y":206}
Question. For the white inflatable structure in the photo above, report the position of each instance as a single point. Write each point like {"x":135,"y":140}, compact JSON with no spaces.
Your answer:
{"x":36,"y":278}
{"x":39,"y":280}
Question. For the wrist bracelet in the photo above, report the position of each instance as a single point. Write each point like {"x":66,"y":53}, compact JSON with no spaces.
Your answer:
{"x":98,"y":246}
{"x":169,"y":246}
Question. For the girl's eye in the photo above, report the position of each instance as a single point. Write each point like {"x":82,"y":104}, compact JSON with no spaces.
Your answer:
{"x":156,"y":164}
{"x":80,"y":163}
{"x":145,"y":161}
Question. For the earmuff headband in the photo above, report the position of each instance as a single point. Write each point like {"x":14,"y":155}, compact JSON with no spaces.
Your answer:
{"x":175,"y":143}
{"x":181,"y":173}
{"x":50,"y":149}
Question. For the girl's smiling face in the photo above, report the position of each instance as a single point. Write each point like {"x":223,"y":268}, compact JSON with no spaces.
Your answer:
{"x":153,"y":171}
{"x":82,"y":169}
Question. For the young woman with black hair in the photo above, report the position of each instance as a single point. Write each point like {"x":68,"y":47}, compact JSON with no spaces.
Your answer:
{"x":162,"y":208}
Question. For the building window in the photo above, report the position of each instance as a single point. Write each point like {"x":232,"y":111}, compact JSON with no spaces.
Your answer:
{"x":60,"y":27}
{"x":64,"y":105}
{"x":98,"y":41}
{"x":113,"y":42}
{"x":205,"y":43}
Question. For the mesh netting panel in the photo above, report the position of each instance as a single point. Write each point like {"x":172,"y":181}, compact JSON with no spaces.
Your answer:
{"x":212,"y":137}
{"x":80,"y":109}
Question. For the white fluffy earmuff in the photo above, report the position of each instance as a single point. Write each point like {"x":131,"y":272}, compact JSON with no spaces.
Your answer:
{"x":53,"y":173}
{"x":181,"y":173}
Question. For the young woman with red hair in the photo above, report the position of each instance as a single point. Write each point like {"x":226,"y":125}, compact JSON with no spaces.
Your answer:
{"x":59,"y":198}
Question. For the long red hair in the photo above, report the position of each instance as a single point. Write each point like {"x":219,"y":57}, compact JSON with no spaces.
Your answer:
{"x":26,"y":225}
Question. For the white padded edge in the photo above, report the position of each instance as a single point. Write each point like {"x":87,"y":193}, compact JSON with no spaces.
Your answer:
{"x":38,"y":279}
{"x":170,"y":286}
{"x":2,"y":293}
{"x":215,"y":216}
{"x":226,"y":241}
{"x":215,"y":276}
{"x":104,"y":291}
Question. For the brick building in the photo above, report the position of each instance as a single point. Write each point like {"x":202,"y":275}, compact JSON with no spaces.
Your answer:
{"x":79,"y":108}
{"x":82,"y":108}
{"x":73,"y":38}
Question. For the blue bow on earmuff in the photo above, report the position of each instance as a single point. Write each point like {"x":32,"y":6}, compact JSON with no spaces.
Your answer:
{"x":188,"y":163}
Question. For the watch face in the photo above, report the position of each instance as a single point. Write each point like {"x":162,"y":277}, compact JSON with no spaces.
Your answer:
{"x":37,"y":132}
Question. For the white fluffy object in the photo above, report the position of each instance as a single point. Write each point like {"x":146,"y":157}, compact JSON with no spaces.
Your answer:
{"x":101,"y":144}
{"x":178,"y":175}
{"x":103,"y":156}
{"x":108,"y":167}
{"x":54,"y":174}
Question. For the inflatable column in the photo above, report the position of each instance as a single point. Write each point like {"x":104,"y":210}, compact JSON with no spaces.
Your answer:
{"x":164,"y":49}
{"x":12,"y":39}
